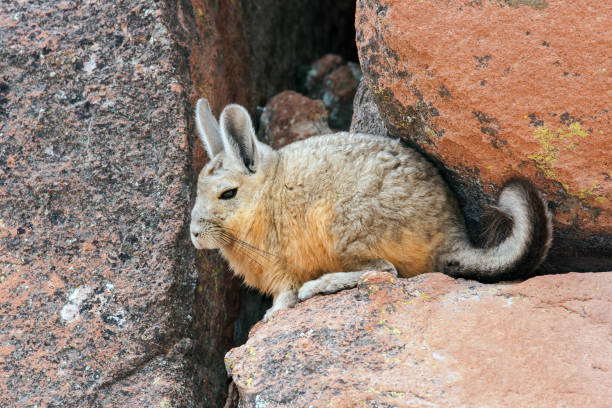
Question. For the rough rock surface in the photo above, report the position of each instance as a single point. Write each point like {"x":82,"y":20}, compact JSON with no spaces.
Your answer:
{"x":335,"y":82}
{"x":495,"y":88}
{"x":97,"y":274}
{"x":317,"y":72}
{"x":366,"y":116}
{"x":219,"y":72}
{"x":432,"y":341}
{"x":289,"y":117}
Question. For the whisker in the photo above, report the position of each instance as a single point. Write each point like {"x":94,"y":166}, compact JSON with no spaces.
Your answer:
{"x":226,"y":241}
{"x":248,"y":248}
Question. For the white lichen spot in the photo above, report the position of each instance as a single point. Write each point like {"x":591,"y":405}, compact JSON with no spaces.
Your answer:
{"x":70,"y":311}
{"x":118,"y":317}
{"x":261,"y":402}
{"x":90,"y":65}
{"x":438,"y":356}
{"x":165,"y":403}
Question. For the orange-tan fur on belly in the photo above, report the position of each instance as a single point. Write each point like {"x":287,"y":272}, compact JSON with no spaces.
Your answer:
{"x":307,"y":250}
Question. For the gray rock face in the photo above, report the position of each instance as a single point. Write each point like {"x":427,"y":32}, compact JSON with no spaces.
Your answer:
{"x":366,"y":117}
{"x":96,"y":275}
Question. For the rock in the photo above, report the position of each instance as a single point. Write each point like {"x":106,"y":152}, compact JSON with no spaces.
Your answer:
{"x":233,"y":397}
{"x":435,"y":341}
{"x":335,"y":83}
{"x":339,"y":89}
{"x":317,"y":72}
{"x":497,"y":88}
{"x":366,"y":117}
{"x":282,"y":36}
{"x":289,"y":117}
{"x":97,"y":274}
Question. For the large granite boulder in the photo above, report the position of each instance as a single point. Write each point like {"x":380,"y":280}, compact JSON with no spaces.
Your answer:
{"x":96,"y":274}
{"x":432,"y":341}
{"x":489,"y":89}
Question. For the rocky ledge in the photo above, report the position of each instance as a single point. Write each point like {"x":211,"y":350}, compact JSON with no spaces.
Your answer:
{"x":435,"y":341}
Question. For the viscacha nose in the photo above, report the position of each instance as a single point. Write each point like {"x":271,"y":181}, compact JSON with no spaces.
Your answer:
{"x":195,"y":234}
{"x":196,"y":227}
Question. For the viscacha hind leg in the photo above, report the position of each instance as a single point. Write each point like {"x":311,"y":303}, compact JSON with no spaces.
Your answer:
{"x":334,"y":282}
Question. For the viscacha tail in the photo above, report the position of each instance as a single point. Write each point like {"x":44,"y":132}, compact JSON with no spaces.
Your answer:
{"x":518,"y":237}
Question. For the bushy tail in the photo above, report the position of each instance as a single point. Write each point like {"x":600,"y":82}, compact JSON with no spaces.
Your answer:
{"x":518,"y":237}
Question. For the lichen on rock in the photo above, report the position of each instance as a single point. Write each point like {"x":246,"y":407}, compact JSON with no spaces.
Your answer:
{"x":435,"y":341}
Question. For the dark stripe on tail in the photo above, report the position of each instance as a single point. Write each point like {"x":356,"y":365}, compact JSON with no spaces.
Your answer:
{"x":541,"y":229}
{"x":499,"y":228}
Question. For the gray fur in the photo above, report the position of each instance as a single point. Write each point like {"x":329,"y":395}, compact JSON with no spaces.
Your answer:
{"x":208,"y":129}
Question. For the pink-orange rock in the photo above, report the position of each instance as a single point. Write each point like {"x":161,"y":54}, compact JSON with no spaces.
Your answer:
{"x":289,"y":117}
{"x":435,"y":341}
{"x":495,"y":88}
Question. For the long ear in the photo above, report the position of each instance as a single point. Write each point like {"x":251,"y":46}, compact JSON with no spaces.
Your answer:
{"x":238,"y":136}
{"x":208,"y":128}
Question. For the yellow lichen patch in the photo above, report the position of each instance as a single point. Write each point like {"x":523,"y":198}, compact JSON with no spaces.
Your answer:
{"x":536,"y":4}
{"x":553,"y":144}
{"x":587,"y":192}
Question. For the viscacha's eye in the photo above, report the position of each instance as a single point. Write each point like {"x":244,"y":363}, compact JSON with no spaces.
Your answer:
{"x":228,"y":194}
